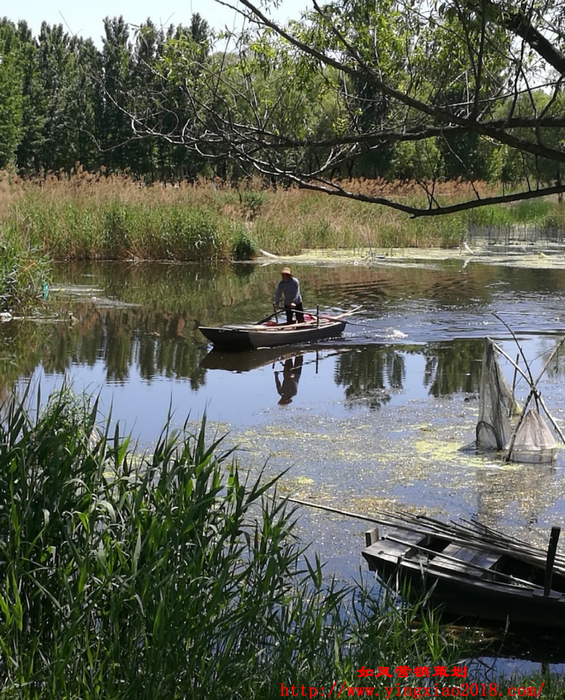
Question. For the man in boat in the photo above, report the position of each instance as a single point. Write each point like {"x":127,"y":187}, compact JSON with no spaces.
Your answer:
{"x":289,"y":291}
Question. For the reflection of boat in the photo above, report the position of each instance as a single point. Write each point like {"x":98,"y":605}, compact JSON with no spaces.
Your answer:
{"x":247,"y":335}
{"x":471,"y":571}
{"x":247,"y":361}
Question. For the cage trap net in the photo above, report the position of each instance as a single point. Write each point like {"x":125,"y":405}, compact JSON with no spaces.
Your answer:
{"x":522,"y":434}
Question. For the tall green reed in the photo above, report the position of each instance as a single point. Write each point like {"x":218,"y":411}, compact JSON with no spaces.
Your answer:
{"x":115,"y":230}
{"x":24,"y":272}
{"x":166,"y":574}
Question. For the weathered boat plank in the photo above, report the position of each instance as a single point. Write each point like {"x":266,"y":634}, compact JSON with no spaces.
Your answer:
{"x":466,"y":560}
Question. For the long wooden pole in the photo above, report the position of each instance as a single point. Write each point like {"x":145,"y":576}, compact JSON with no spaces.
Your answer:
{"x":329,"y":509}
{"x":532,"y":382}
{"x":499,"y":539}
{"x":434,"y":528}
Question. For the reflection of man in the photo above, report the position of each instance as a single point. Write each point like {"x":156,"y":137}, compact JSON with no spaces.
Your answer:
{"x":288,"y":388}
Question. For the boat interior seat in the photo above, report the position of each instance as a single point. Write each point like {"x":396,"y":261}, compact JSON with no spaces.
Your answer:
{"x":404,"y":544}
{"x":391,"y":551}
{"x":470,"y":561}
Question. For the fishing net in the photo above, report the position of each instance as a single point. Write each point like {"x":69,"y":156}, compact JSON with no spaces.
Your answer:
{"x":534,"y":442}
{"x":496,"y":403}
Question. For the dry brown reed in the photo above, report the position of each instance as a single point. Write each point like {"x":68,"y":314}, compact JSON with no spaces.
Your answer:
{"x":96,"y":215}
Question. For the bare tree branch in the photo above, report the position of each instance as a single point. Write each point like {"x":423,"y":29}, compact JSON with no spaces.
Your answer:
{"x":378,"y":101}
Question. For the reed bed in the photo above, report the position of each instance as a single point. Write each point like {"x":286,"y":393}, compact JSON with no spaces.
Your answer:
{"x":94,"y":216}
{"x":167,"y":574}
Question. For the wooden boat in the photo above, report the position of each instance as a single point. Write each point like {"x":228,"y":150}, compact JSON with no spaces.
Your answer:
{"x":246,"y":336}
{"x":471,"y":571}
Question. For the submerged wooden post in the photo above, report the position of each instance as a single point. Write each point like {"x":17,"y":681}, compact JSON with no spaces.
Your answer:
{"x":553,"y":540}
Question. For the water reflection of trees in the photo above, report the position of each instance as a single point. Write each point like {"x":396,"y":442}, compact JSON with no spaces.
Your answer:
{"x":373,"y":373}
{"x":220,"y":293}
{"x":453,"y":367}
{"x":158,"y":333}
{"x":144,"y":315}
{"x":22,"y":345}
{"x":158,"y":343}
{"x":370,"y":375}
{"x":556,"y":368}
{"x":205,"y":294}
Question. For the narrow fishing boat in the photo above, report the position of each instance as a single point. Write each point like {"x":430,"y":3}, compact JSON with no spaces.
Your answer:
{"x":269,"y":334}
{"x":471,"y":571}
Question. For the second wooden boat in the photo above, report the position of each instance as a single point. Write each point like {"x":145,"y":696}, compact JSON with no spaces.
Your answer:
{"x":471,"y":572}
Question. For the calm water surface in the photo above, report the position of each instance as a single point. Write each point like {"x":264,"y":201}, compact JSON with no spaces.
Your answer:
{"x":382,"y":417}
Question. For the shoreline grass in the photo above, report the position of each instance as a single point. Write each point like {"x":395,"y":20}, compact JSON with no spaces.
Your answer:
{"x":24,"y":272}
{"x":83,"y":216}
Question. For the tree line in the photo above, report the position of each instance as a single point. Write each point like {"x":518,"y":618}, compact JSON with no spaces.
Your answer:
{"x":377,"y":89}
{"x":64,"y":99}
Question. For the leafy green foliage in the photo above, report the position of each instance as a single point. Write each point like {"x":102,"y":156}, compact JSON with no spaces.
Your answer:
{"x":358,"y":89}
{"x":243,"y":245}
{"x":11,"y":112}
